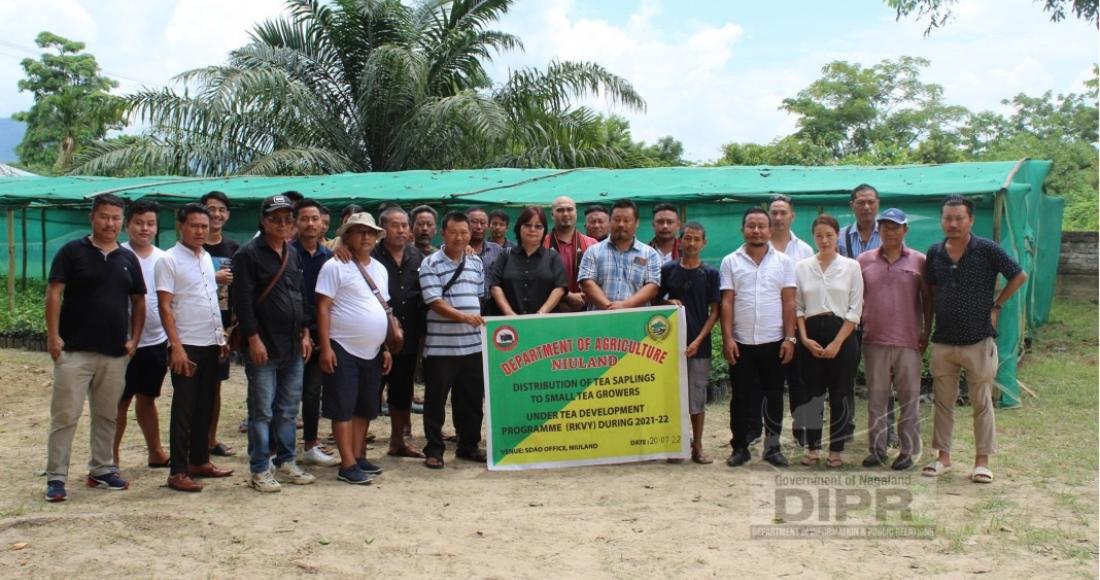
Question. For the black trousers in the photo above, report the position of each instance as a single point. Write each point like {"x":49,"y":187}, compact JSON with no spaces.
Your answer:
{"x":399,"y":382}
{"x":462,"y":377}
{"x":311,"y":396}
{"x":192,"y":402}
{"x":836,"y":376}
{"x":796,"y":397}
{"x":756,"y":391}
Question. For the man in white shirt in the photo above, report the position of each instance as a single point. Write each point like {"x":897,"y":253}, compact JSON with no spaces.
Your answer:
{"x":781,"y":211}
{"x":146,"y":369}
{"x":188,"y":300}
{"x":351,"y":328}
{"x":757,"y":317}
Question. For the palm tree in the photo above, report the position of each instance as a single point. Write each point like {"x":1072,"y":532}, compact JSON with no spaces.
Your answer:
{"x":370,"y":85}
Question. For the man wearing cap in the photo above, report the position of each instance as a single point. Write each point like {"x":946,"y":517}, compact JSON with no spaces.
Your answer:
{"x":570,"y":245}
{"x":351,"y":323}
{"x":267,"y":298}
{"x":897,"y":315}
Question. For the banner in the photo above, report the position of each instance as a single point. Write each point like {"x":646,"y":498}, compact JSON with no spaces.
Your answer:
{"x":588,"y":388}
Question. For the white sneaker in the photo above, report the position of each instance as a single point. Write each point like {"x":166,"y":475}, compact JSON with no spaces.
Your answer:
{"x":264,"y":482}
{"x":317,"y":456}
{"x":289,"y":472}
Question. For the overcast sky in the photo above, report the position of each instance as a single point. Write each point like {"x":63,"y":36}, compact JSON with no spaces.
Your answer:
{"x":711,"y":71}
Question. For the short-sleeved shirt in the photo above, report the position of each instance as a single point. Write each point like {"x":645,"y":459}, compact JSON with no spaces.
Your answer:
{"x":221,"y":252}
{"x":620,"y":274}
{"x":404,"y":292}
{"x":95,"y":307}
{"x":311,"y":267}
{"x":836,"y":290}
{"x":358,"y":320}
{"x":964,"y":290}
{"x":527,"y":280}
{"x":893,"y":314}
{"x":850,"y":244}
{"x":758,"y":299}
{"x":446,"y":337}
{"x":697,"y":289}
{"x":190,"y":280}
{"x":153,"y":332}
{"x":571,"y":253}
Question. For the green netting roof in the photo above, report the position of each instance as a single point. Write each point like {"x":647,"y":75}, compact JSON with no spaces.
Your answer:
{"x":538,"y":186}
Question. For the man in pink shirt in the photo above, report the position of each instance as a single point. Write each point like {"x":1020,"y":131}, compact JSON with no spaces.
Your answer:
{"x":897,"y":320}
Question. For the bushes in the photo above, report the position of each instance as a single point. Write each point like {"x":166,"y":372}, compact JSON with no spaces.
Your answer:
{"x":28,"y":320}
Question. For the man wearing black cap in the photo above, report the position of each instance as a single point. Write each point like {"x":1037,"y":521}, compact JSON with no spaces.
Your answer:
{"x":267,"y":297}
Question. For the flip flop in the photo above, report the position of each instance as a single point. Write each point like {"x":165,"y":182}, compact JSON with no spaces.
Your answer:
{"x":167,"y":463}
{"x":434,"y":463}
{"x":405,"y":451}
{"x":701,"y":459}
{"x":809,"y":460}
{"x":222,"y":450}
{"x":935,"y":469}
{"x":982,"y":474}
{"x":834,"y":463}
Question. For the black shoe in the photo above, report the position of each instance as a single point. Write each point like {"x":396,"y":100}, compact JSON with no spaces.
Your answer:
{"x":875,"y":459}
{"x":475,"y":455}
{"x":902,"y":462}
{"x":739,"y":457}
{"x":776,"y":458}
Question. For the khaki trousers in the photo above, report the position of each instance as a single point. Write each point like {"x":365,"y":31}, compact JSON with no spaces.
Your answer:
{"x":880,"y":362}
{"x":100,"y":378}
{"x":980,"y":362}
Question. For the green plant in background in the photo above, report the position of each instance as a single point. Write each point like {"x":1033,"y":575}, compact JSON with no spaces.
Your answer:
{"x":29,"y":317}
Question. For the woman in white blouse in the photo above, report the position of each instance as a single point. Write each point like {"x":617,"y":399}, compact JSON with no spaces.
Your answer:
{"x":829,"y":302}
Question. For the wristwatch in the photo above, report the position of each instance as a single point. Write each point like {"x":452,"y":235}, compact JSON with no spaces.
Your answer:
{"x":791,"y":339}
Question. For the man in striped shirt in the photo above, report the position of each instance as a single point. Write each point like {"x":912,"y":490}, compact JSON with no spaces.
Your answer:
{"x":451,"y":283}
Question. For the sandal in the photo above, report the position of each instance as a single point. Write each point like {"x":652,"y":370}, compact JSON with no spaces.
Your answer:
{"x":701,"y":459}
{"x":834,"y":463}
{"x":935,"y":469}
{"x":167,"y":463}
{"x":476,"y":455}
{"x":405,"y":451}
{"x":810,"y":460}
{"x":982,"y":474}
{"x":222,"y":450}
{"x":434,"y":463}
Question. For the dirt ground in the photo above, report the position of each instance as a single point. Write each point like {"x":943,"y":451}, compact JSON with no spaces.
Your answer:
{"x":647,"y":520}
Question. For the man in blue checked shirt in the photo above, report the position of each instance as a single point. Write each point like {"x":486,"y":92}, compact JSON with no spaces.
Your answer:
{"x":620,"y":272}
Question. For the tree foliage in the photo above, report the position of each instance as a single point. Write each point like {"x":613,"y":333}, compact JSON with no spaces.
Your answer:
{"x":371,"y":85}
{"x":72,"y":106}
{"x":938,"y":12}
{"x":885,"y":115}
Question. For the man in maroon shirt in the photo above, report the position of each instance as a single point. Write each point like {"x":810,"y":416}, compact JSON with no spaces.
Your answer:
{"x":570,"y":244}
{"x":897,"y":319}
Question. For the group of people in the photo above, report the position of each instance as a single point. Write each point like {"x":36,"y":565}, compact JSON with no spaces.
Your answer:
{"x":310,"y":318}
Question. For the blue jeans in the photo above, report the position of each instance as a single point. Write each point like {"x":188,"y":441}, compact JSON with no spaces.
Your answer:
{"x":274,"y":393}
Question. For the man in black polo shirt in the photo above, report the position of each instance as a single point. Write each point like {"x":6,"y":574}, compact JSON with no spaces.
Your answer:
{"x":275,"y":341}
{"x":402,"y":261}
{"x":962,"y":273}
{"x":94,"y":286}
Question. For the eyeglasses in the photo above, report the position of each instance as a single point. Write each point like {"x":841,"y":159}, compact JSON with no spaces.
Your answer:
{"x":533,"y":226}
{"x":283,"y":221}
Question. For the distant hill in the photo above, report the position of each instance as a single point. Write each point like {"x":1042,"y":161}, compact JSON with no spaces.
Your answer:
{"x":11,"y":133}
